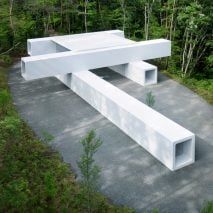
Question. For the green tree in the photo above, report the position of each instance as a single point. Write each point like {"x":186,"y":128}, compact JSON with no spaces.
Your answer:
{"x":89,"y":170}
{"x":195,"y":23}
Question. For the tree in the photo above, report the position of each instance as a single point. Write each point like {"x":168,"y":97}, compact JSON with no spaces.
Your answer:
{"x":89,"y":170}
{"x":194,"y":23}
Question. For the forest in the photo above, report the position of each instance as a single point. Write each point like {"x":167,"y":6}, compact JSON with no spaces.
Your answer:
{"x":188,"y":24}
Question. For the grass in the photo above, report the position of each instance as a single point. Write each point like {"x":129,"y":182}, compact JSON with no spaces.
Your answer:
{"x":33,"y":177}
{"x":203,"y":87}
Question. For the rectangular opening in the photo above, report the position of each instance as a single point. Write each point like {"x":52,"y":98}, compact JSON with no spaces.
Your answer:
{"x":150,"y":77}
{"x":183,"y":153}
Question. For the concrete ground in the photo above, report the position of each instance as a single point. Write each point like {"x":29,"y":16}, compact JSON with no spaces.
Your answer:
{"x":129,"y":175}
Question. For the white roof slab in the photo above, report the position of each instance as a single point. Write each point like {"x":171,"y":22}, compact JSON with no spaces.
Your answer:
{"x":91,"y":41}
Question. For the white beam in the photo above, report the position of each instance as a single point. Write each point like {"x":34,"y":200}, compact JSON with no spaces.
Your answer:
{"x":169,"y":142}
{"x":141,"y":72}
{"x":67,"y":62}
{"x":41,"y":46}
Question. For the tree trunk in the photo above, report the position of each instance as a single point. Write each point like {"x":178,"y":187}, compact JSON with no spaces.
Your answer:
{"x":11,"y":18}
{"x":122,"y":3}
{"x":85,"y":15}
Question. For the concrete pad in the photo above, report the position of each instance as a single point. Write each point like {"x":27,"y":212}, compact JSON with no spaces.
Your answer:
{"x":130,"y":175}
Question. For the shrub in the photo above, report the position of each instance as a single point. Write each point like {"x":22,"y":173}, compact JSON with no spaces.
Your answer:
{"x":10,"y":128}
{"x":4,"y":102}
{"x":150,"y":99}
{"x":6,"y":59}
{"x":89,"y":170}
{"x":208,"y":207}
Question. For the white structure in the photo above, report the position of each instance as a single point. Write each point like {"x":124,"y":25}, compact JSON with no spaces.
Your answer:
{"x":68,"y":54}
{"x":60,"y":56}
{"x":141,"y":72}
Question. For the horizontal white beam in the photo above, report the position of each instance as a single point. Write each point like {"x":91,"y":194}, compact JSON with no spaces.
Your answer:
{"x":140,"y":72}
{"x":68,"y":62}
{"x":41,"y":46}
{"x":169,"y":142}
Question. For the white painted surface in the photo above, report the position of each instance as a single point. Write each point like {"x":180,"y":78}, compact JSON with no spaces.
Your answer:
{"x":170,"y":143}
{"x":41,"y":46}
{"x":153,"y":131}
{"x":92,"y":41}
{"x":74,"y":61}
{"x":141,"y":72}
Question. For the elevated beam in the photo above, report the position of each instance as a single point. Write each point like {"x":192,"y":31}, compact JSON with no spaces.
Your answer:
{"x":141,"y":72}
{"x":41,"y":46}
{"x":167,"y":141}
{"x":68,"y":62}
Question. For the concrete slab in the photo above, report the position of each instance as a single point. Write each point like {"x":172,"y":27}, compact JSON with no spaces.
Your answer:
{"x":130,"y":175}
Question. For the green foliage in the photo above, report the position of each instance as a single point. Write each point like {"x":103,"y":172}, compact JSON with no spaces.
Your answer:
{"x":192,"y":18}
{"x":15,"y":195}
{"x":6,"y":59}
{"x":208,"y":207}
{"x":50,"y":184}
{"x":202,"y":86}
{"x":89,"y":170}
{"x":10,"y":127}
{"x":150,"y":99}
{"x":47,"y":137}
{"x":187,"y":23}
{"x":33,"y":177}
{"x":155,"y":211}
{"x":4,"y":102}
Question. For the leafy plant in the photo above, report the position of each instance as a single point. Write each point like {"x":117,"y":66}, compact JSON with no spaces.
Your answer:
{"x":208,"y":207}
{"x":89,"y":170}
{"x":4,"y":102}
{"x":10,"y":128}
{"x":150,"y":99}
{"x":6,"y":59}
{"x":47,"y":137}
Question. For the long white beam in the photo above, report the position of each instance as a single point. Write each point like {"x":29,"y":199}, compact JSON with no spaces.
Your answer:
{"x":68,"y":62}
{"x":41,"y":46}
{"x":166,"y":140}
{"x":141,"y":72}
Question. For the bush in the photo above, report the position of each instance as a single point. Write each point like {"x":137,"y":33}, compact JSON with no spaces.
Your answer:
{"x":6,"y":59}
{"x":150,"y":99}
{"x":10,"y":128}
{"x":208,"y":207}
{"x":5,"y":100}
